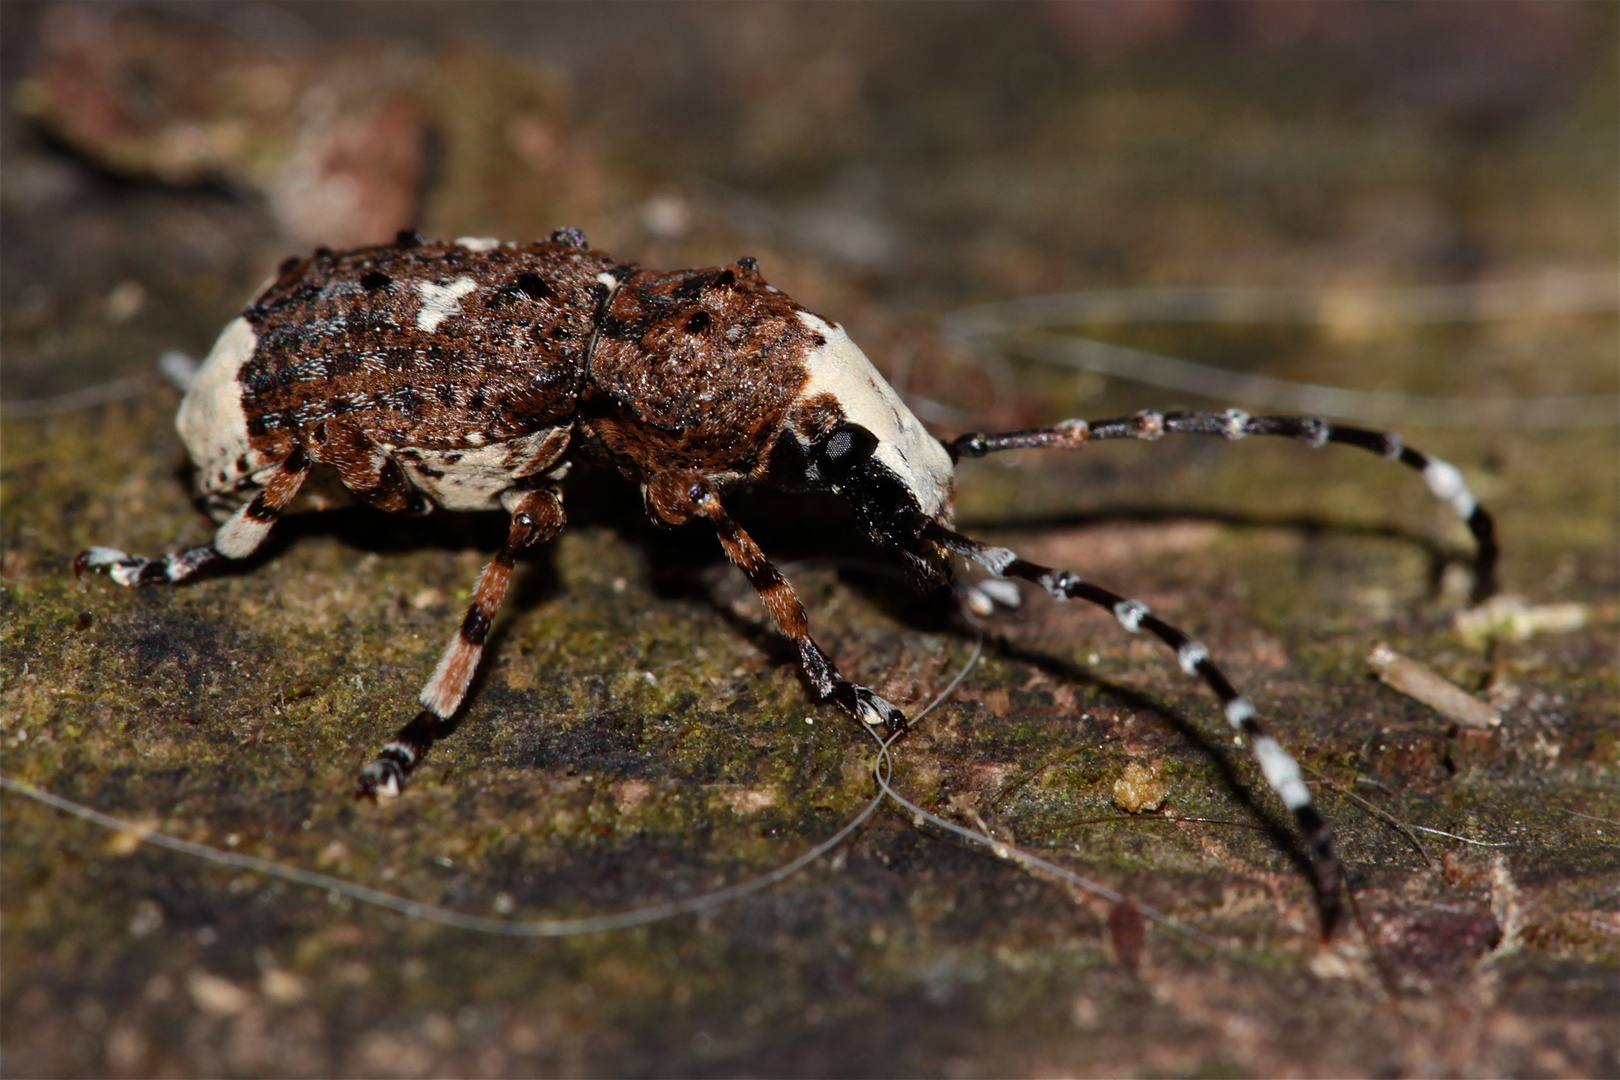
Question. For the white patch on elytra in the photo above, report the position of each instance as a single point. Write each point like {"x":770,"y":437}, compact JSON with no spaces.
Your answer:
{"x":439,"y":302}
{"x":478,"y":243}
{"x":211,"y":422}
{"x":839,"y":369}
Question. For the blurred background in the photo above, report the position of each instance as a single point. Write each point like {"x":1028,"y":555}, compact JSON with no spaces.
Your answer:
{"x":1418,"y":202}
{"x":887,"y":164}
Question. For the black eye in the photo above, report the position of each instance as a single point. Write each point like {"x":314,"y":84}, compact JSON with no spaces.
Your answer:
{"x":698,"y":322}
{"x":846,"y":448}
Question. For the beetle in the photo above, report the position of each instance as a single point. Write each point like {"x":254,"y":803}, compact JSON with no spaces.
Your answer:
{"x":470,"y":375}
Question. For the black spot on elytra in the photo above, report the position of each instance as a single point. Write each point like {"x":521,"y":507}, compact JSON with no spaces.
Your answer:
{"x":819,"y":340}
{"x":622,"y":329}
{"x":375,"y":281}
{"x":301,"y":295}
{"x":409,"y":238}
{"x":698,"y":322}
{"x":319,"y":433}
{"x":409,"y":402}
{"x":558,"y":333}
{"x":323,"y":254}
{"x":533,"y":286}
{"x":342,"y":363}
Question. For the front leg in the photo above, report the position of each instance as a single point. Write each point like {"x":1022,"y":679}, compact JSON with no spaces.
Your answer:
{"x":536,"y":516}
{"x":681,"y":496}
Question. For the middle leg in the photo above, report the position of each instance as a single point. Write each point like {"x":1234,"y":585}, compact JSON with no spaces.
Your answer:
{"x":536,"y":516}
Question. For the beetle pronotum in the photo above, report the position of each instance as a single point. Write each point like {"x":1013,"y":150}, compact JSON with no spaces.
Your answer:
{"x":469,"y":375}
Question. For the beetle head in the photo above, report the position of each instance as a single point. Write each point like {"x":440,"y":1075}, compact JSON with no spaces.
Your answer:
{"x":848,"y":432}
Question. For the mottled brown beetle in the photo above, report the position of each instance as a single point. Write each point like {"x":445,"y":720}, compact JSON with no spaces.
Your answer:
{"x":469,"y":375}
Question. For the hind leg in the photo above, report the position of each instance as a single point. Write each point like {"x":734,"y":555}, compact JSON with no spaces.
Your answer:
{"x":237,"y":538}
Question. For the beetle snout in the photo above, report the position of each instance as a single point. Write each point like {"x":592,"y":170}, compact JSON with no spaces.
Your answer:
{"x":891,"y":515}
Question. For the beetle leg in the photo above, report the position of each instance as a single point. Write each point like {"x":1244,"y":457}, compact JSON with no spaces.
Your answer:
{"x":373,"y":477}
{"x":237,"y":538}
{"x":536,"y":516}
{"x":1442,"y":477}
{"x":1279,"y":767}
{"x":678,"y":497}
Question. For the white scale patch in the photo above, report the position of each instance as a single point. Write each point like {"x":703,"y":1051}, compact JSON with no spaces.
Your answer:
{"x":211,"y":422}
{"x":1190,"y":656}
{"x":1281,"y":772}
{"x":1130,"y":614}
{"x":478,"y":243}
{"x":995,"y":559}
{"x":841,"y":370}
{"x":241,"y":535}
{"x":1059,"y":582}
{"x":479,"y":476}
{"x":1447,"y":483}
{"x":1239,"y":711}
{"x":439,"y":302}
